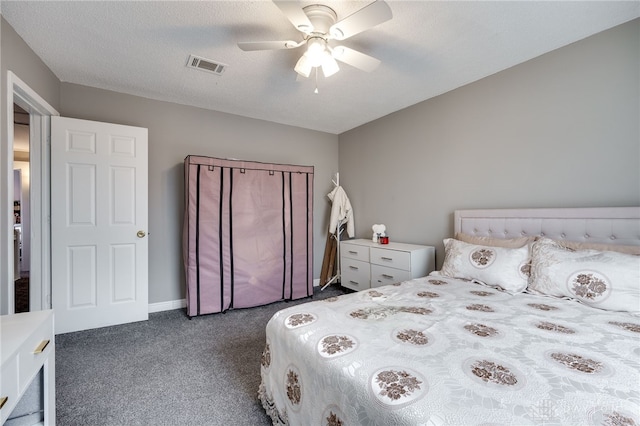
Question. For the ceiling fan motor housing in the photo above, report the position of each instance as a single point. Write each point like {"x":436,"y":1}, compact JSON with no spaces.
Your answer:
{"x":322,"y":18}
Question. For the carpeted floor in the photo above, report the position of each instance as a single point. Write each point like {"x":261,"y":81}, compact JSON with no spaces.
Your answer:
{"x":167,"y":371}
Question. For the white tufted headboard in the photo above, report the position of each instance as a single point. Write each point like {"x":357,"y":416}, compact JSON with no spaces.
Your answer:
{"x":609,"y":225}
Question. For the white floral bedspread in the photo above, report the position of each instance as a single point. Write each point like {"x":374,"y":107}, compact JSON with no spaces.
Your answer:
{"x":436,"y":351}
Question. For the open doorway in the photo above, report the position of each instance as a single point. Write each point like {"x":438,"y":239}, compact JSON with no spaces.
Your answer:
{"x":21,"y":209}
{"x":36,"y":249}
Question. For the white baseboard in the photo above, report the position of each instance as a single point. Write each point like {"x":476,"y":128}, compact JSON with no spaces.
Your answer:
{"x":167,"y":306}
{"x":182,"y":303}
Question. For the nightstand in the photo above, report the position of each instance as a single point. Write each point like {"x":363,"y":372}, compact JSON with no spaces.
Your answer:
{"x":28,"y":346}
{"x":365,"y":264}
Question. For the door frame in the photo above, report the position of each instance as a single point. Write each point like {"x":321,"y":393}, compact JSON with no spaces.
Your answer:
{"x":40,"y":111}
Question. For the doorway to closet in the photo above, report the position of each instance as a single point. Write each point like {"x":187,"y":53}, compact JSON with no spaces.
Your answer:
{"x":21,"y":209}
{"x":33,"y":247}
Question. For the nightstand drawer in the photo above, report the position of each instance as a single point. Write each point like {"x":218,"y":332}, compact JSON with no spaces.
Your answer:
{"x":355,"y":274}
{"x":391,"y":258}
{"x":354,"y":251}
{"x":384,"y":263}
{"x":382,"y":275}
{"x":34,"y":352}
{"x":8,"y":388}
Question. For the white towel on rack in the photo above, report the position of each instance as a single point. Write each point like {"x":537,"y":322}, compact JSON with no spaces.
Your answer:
{"x":341,"y":211}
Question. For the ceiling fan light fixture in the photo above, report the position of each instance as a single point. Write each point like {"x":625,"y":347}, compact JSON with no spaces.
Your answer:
{"x":303,"y":66}
{"x":316,"y":48}
{"x":329,"y":65}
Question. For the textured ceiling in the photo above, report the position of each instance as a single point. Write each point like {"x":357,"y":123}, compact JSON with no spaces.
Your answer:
{"x":428,"y":48}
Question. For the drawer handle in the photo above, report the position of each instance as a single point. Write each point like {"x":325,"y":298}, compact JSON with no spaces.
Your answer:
{"x":386,"y":258}
{"x":389,"y":277}
{"x":41,"y":346}
{"x":353,"y":252}
{"x":353,"y":267}
{"x":3,"y":401}
{"x":354,"y":282}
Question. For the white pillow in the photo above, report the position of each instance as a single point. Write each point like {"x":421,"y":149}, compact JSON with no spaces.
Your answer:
{"x":499,"y":266}
{"x":494,"y":242}
{"x":602,"y":279}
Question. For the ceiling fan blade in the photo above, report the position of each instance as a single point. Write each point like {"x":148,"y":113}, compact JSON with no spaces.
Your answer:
{"x":268,"y":45}
{"x":369,"y":16}
{"x":355,"y":59}
{"x":295,"y":14}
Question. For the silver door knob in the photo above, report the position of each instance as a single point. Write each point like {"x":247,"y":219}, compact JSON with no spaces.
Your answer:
{"x":141,"y":234}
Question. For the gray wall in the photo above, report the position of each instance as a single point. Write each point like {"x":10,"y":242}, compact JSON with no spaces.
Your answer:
{"x":17,"y":57}
{"x":176,"y":131}
{"x":560,"y":130}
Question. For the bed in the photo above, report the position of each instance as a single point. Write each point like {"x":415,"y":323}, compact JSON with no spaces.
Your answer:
{"x":532,"y":319}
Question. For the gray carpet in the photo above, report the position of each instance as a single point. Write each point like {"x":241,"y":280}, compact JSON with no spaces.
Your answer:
{"x":167,"y":371}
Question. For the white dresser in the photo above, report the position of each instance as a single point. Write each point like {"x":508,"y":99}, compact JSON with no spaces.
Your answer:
{"x":27,"y":345}
{"x":365,"y":264}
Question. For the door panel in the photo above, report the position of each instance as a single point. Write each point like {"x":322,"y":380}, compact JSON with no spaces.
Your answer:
{"x":98,"y":205}
{"x":82,"y":276}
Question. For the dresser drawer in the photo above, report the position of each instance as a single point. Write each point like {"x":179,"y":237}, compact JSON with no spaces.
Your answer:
{"x":354,"y":251}
{"x":34,"y":352}
{"x":8,"y":388}
{"x":355,"y":274}
{"x":391,"y":258}
{"x":382,"y":275}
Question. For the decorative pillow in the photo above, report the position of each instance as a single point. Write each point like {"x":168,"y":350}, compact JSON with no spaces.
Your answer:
{"x":574,"y":245}
{"x":494,"y":242}
{"x":499,"y":266}
{"x":602,"y":279}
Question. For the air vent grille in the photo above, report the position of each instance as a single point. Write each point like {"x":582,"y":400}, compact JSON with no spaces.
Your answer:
{"x":207,"y":65}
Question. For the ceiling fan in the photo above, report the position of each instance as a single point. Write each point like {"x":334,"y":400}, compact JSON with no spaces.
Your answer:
{"x":319,"y":25}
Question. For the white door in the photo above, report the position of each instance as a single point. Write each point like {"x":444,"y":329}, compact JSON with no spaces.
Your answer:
{"x":99,"y":248}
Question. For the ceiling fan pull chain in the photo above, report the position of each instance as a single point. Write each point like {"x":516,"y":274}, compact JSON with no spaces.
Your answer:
{"x":316,"y":91}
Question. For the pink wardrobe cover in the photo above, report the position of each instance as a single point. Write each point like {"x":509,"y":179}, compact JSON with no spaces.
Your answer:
{"x":248,"y":233}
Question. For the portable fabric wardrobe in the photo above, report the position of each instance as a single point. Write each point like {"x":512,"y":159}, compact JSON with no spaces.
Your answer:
{"x":248,"y":233}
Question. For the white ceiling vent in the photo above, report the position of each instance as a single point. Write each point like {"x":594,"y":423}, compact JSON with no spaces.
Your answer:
{"x":208,"y":65}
